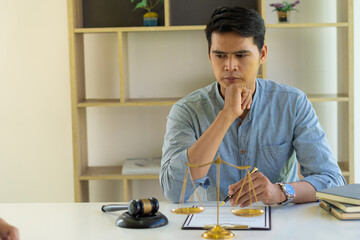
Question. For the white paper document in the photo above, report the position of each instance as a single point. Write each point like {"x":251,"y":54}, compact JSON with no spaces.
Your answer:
{"x":227,"y":219}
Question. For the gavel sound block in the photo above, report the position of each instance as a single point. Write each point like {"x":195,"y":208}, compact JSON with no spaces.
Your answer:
{"x":142,"y":213}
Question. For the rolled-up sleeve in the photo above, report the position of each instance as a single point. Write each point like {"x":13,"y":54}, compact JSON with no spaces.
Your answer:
{"x":180,"y":135}
{"x":317,"y":162}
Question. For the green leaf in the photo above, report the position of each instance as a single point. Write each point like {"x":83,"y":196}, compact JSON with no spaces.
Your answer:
{"x":144,"y":3}
{"x":141,"y":4}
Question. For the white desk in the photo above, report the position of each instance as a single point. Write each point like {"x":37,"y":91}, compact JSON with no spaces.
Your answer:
{"x":74,"y":221}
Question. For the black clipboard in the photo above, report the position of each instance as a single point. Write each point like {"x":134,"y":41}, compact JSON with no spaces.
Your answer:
{"x":267,"y":222}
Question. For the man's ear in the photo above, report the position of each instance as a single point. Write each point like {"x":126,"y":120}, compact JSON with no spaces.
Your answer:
{"x":263,"y":54}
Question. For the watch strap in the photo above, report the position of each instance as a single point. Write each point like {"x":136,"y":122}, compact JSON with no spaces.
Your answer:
{"x":289,"y":197}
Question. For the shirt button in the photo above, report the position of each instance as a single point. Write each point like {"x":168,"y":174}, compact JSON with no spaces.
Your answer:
{"x":242,"y":151}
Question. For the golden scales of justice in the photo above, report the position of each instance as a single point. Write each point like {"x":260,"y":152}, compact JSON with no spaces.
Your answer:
{"x":217,"y":231}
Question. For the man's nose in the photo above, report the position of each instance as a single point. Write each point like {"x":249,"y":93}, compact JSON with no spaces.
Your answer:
{"x":231,"y":64}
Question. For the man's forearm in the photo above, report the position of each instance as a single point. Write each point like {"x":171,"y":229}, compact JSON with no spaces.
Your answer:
{"x":305,"y":192}
{"x":204,"y":149}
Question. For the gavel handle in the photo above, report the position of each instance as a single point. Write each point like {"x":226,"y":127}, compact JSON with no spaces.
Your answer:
{"x":114,"y":207}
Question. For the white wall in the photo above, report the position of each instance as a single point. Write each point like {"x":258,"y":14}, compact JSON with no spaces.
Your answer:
{"x":35,"y":116}
{"x":35,"y":119}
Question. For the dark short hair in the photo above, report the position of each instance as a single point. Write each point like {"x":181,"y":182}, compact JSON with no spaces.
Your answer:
{"x":245,"y":22}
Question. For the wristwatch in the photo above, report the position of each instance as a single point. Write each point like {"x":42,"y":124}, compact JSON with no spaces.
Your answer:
{"x":289,"y":192}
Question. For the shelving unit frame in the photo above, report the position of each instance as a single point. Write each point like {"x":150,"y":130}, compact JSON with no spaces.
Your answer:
{"x":83,"y":173}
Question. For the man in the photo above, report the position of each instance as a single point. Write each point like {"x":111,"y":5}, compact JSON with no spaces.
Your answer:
{"x":278,"y":130}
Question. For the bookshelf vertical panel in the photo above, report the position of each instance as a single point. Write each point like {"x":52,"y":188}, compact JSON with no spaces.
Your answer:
{"x":75,"y":14}
{"x":351,"y":88}
{"x":77,"y":85}
{"x":79,"y":120}
{"x":123,"y":56}
{"x":167,"y":12}
{"x":261,"y":6}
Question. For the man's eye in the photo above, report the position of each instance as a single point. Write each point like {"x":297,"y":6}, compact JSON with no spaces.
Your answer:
{"x":220,"y":55}
{"x":241,"y":55}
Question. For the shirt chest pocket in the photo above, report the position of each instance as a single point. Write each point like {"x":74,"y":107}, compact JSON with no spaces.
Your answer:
{"x":272,"y":159}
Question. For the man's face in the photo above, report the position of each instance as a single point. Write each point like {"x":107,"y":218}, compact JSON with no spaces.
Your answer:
{"x":235,"y":59}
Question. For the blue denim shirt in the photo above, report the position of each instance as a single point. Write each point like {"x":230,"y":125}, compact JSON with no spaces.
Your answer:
{"x":280,"y":130}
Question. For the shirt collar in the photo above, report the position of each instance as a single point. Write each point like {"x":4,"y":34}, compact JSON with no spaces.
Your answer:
{"x":256,"y":96}
{"x":218,"y":95}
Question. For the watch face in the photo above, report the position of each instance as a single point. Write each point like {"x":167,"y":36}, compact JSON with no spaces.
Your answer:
{"x":289,"y":189}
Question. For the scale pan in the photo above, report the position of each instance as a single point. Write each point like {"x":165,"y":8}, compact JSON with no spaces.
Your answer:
{"x":188,"y":210}
{"x":247,"y":212}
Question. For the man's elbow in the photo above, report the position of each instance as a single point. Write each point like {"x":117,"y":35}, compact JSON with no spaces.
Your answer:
{"x":169,"y":188}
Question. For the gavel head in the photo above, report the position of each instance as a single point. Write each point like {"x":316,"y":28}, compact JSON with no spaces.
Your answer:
{"x":143,"y":207}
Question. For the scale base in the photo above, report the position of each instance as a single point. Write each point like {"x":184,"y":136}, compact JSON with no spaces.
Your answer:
{"x":218,"y":232}
{"x":152,"y":221}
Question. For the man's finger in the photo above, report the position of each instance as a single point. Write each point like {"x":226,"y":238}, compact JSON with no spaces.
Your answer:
{"x":237,"y":186}
{"x":244,"y":96}
{"x":253,"y":200}
{"x":241,"y":196}
{"x":234,"y":188}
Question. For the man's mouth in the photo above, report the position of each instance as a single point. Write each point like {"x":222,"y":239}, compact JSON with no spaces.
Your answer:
{"x":231,"y":78}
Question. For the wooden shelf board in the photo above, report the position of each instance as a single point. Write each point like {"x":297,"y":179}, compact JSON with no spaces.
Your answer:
{"x":111,"y":173}
{"x":128,"y":102}
{"x":171,"y":101}
{"x":306,"y":25}
{"x":151,"y":101}
{"x":200,"y":27}
{"x":99,"y":102}
{"x":139,"y":29}
{"x":328,"y":98}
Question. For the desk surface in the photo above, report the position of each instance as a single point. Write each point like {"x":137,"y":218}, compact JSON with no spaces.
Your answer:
{"x":74,"y":221}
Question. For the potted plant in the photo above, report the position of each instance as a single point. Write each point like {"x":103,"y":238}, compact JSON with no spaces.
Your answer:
{"x":150,"y":18}
{"x":283,"y":9}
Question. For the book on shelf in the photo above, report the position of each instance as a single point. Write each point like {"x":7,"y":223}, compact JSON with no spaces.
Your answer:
{"x":337,"y":212}
{"x":139,"y":166}
{"x":346,"y":194}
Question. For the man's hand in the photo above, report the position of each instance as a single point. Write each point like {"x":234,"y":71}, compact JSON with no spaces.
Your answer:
{"x":8,"y":232}
{"x":246,"y":98}
{"x":265,"y":191}
{"x":237,"y":99}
